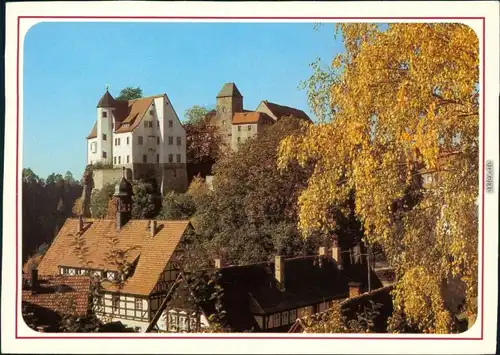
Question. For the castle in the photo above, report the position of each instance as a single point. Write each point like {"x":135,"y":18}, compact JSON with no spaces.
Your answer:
{"x":236,"y":125}
{"x":144,"y":136}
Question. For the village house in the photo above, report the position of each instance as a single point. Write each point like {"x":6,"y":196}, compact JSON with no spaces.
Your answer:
{"x":144,"y":135}
{"x":48,"y":299}
{"x":236,"y":125}
{"x":136,"y":260}
{"x":269,"y":296}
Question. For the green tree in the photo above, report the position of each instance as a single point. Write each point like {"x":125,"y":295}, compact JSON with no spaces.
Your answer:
{"x":177,"y":206}
{"x":130,"y":93}
{"x":195,"y":115}
{"x":68,"y":177}
{"x":146,"y":201}
{"x":252,"y":212}
{"x":100,"y":199}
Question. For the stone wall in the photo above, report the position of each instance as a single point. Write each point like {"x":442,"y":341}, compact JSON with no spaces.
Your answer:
{"x":106,"y":176}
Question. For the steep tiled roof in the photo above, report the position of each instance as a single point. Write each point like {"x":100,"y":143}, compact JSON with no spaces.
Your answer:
{"x":250,"y":117}
{"x":282,"y":111}
{"x":128,"y":114}
{"x":61,"y":294}
{"x":100,"y":237}
{"x":229,"y":89}
{"x":93,"y":133}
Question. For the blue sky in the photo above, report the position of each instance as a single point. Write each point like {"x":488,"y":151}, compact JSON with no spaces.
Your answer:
{"x":67,"y":65}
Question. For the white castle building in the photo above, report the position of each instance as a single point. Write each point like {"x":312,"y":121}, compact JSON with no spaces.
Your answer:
{"x":144,"y":136}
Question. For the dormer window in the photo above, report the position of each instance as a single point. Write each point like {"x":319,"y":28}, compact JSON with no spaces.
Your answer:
{"x":110,"y":275}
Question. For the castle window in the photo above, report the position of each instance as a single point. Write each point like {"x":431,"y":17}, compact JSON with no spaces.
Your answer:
{"x":119,"y":160}
{"x":157,"y":158}
{"x":145,"y":124}
{"x":93,"y":147}
{"x":239,"y":128}
{"x":128,"y":159}
{"x":144,"y":158}
{"x":249,"y":127}
{"x":151,"y":112}
{"x":104,"y":136}
{"x":178,"y":158}
{"x":179,"y":141}
{"x":119,"y":141}
{"x":170,"y":158}
{"x":170,"y":123}
{"x":114,"y":160}
{"x":140,"y":140}
{"x":104,"y":155}
{"x":104,"y":114}
{"x":128,"y":141}
{"x":158,"y":124}
{"x":170,"y":140}
{"x":158,"y":140}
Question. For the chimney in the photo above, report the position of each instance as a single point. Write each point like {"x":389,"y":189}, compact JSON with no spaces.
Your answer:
{"x":34,"y":281}
{"x":337,"y":256}
{"x":152,"y":228}
{"x":322,"y":251}
{"x":354,"y":289}
{"x":80,"y":224}
{"x":357,"y":254}
{"x":279,"y":271}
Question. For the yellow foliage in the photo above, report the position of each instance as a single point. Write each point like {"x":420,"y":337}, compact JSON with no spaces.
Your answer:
{"x":405,"y":99}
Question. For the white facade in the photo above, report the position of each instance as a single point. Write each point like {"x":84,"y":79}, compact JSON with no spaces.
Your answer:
{"x":159,"y":137}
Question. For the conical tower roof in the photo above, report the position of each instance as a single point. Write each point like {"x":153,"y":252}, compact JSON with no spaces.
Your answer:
{"x":106,"y":100}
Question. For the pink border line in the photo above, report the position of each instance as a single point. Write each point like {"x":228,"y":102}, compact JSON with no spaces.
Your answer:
{"x":247,"y":18}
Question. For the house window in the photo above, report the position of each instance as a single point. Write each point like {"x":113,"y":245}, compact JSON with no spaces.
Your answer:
{"x":183,"y":321}
{"x":158,"y":124}
{"x":145,"y":124}
{"x":170,"y":140}
{"x":170,"y":158}
{"x":249,"y":127}
{"x":140,"y":140}
{"x":144,"y":158}
{"x":158,"y":140}
{"x":157,"y":158}
{"x":128,"y":141}
{"x":110,"y":275}
{"x":119,"y":141}
{"x":104,"y":155}
{"x":277,"y":319}
{"x":114,"y":160}
{"x":239,"y":128}
{"x":115,"y":302}
{"x":104,"y":137}
{"x":178,"y":158}
{"x":270,"y":323}
{"x":284,"y":318}
{"x":93,"y":147}
{"x":293,"y":315}
{"x":170,"y":123}
{"x":179,"y":140}
{"x":104,"y":114}
{"x":128,"y":159}
{"x":138,"y":304}
{"x":119,"y":160}
{"x":151,"y":112}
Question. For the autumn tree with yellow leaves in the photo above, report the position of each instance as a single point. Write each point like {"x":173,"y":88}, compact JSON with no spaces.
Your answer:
{"x":401,"y":101}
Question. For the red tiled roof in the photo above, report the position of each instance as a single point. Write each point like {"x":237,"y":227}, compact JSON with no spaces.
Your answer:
{"x":100,"y":237}
{"x":251,"y":117}
{"x":61,"y":294}
{"x":128,"y":114}
{"x":282,"y":111}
